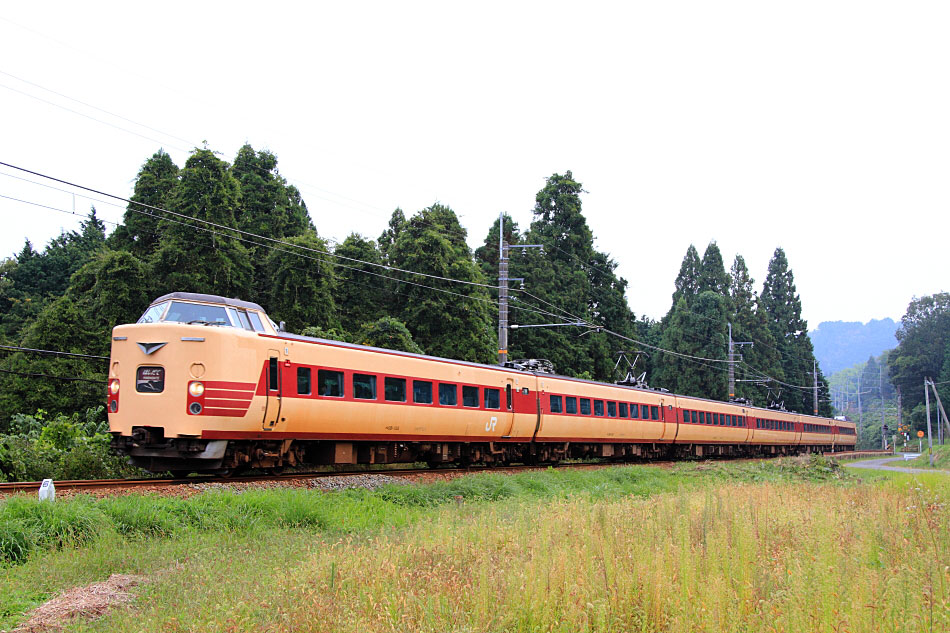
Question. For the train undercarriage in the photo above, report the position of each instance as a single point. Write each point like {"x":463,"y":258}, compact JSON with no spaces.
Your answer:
{"x":147,"y":448}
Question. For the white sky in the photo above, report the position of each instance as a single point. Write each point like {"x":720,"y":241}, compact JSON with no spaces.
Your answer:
{"x":822,"y":127}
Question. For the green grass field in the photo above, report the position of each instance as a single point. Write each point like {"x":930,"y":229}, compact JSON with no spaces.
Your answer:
{"x":793,"y":545}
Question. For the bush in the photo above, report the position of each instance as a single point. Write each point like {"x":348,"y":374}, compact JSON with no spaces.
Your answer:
{"x":64,"y":447}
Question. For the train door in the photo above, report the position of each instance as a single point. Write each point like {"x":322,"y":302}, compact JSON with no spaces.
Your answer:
{"x":272,"y":389}
{"x":507,"y":418}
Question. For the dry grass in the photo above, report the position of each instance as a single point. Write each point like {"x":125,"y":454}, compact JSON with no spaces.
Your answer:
{"x":88,"y":602}
{"x":738,"y":558}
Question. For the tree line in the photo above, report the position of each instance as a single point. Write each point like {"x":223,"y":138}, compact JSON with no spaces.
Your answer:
{"x":240,"y":230}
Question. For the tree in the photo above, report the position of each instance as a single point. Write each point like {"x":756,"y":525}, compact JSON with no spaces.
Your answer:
{"x":695,"y":333}
{"x":570,"y":281}
{"x":487,"y":254}
{"x":388,"y":333}
{"x":783,"y":307}
{"x":749,"y":323}
{"x":154,"y":187}
{"x":923,"y":338}
{"x":457,"y":325}
{"x":107,"y":291}
{"x":396,"y":223}
{"x":193,"y":256}
{"x":301,"y":283}
{"x":362,"y":294}
{"x":712,"y":272}
{"x":687,"y":280}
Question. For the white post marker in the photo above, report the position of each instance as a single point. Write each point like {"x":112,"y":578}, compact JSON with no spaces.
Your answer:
{"x":47,"y":490}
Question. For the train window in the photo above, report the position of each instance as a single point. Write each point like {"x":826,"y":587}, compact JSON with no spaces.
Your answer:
{"x":694,"y":417}
{"x":612,"y":409}
{"x":715,"y":418}
{"x":364,"y":386}
{"x":303,"y":381}
{"x":242,"y":318}
{"x":181,"y":312}
{"x":702,"y":417}
{"x":422,"y":391}
{"x":448,"y":394}
{"x":492,"y":398}
{"x":469,"y":396}
{"x":634,"y":411}
{"x":624,"y":410}
{"x":654,"y":413}
{"x":599,"y":407}
{"x":154,"y":313}
{"x":330,"y":383}
{"x":272,"y":382}
{"x":585,"y":406}
{"x":256,"y":322}
{"x":508,"y":402}
{"x":394,"y":389}
{"x":645,"y":411}
{"x":570,"y":404}
{"x":556,"y":404}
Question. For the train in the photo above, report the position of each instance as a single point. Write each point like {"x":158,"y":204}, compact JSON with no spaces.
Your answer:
{"x":208,"y":384}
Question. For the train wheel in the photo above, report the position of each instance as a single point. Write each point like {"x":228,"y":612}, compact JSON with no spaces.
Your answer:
{"x":179,"y":474}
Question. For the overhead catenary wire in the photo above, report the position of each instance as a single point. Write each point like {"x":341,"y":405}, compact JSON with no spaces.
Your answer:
{"x":50,"y":352}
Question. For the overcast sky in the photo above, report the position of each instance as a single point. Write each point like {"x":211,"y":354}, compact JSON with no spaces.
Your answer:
{"x":822,"y":127}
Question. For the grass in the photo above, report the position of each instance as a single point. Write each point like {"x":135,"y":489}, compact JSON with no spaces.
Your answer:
{"x":792,"y":545}
{"x":941,"y":458}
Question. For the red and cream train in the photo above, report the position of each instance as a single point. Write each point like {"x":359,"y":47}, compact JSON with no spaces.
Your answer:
{"x":208,"y":384}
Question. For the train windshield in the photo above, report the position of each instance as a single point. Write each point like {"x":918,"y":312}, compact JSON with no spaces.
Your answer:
{"x":154,"y":313}
{"x":197,"y":313}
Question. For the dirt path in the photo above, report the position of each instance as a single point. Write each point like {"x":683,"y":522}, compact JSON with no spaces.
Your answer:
{"x":883,"y":464}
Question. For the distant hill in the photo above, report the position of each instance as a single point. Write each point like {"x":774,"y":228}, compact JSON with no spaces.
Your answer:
{"x":842,"y":344}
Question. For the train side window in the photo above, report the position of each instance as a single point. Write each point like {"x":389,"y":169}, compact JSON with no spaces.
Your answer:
{"x":634,"y":411}
{"x":556,"y":404}
{"x":448,"y":394}
{"x":492,"y":398}
{"x":695,"y":416}
{"x":654,"y":413}
{"x":364,"y":386}
{"x":599,"y":407}
{"x":585,"y":406}
{"x":612,"y":409}
{"x":422,"y":391}
{"x":645,"y":411}
{"x":702,"y":417}
{"x":570,"y":404}
{"x":239,"y":318}
{"x":469,"y":396}
{"x":256,"y":322}
{"x":272,"y":375}
{"x":330,"y":383}
{"x":395,"y":389}
{"x":508,"y":401}
{"x":303,"y":381}
{"x":624,"y":410}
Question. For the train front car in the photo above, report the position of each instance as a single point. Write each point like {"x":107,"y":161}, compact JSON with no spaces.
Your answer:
{"x":191,"y":364}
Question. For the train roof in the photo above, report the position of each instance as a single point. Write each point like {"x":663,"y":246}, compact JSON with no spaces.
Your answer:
{"x":194,"y":296}
{"x":300,"y":337}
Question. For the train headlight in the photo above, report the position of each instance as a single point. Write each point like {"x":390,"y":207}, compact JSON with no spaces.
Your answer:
{"x":114,"y":386}
{"x":196,"y":389}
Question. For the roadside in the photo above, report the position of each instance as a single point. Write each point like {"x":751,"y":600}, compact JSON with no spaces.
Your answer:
{"x":884,"y":464}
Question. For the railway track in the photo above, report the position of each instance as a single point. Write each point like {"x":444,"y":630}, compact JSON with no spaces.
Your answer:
{"x":89,"y":485}
{"x":85,"y":485}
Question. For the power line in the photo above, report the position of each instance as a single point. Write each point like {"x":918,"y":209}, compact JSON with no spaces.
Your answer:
{"x":67,"y":378}
{"x":51,"y":352}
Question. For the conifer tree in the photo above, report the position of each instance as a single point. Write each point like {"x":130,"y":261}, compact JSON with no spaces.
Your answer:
{"x":487,"y":254}
{"x":301,"y":283}
{"x":712,"y":272}
{"x":433,"y":242}
{"x":696,"y":332}
{"x":687,"y":280}
{"x":192,"y":256}
{"x":762,"y":359}
{"x":154,"y":186}
{"x":362,"y":294}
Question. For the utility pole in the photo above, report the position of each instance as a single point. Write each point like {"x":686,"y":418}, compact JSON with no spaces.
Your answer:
{"x":503,"y":279}
{"x":502,"y":292}
{"x":860,"y":411}
{"x":732,"y":362}
{"x":814,"y":365}
{"x":900,"y":415}
{"x":940,"y":410}
{"x":880,"y":389}
{"x":930,"y":442}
